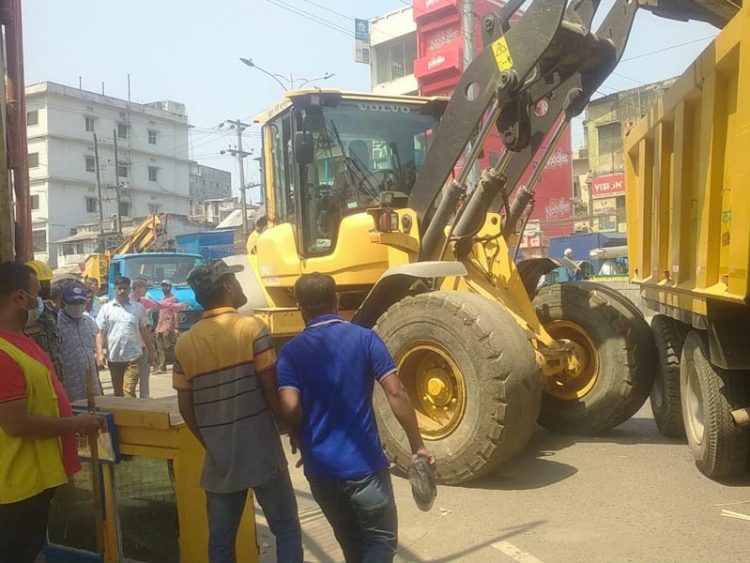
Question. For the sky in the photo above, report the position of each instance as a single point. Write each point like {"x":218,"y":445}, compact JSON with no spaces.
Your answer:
{"x":189,"y":50}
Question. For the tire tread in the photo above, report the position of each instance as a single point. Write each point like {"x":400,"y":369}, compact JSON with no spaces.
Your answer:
{"x":473,"y":313}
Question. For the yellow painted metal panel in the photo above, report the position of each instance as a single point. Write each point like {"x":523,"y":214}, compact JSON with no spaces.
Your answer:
{"x":268,"y":171}
{"x":281,"y":321}
{"x":664,"y":159}
{"x":146,"y":437}
{"x":695,"y":244}
{"x":278,"y":261}
{"x":353,"y":261}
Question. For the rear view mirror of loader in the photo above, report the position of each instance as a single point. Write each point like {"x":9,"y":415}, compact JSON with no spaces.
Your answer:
{"x":304,"y":147}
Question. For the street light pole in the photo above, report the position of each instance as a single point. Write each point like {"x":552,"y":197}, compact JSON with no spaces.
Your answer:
{"x":276,"y":77}
{"x":304,"y":81}
{"x":289,"y":85}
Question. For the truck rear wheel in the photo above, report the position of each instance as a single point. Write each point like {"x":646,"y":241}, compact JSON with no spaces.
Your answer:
{"x":612,"y":372}
{"x":669,"y":336}
{"x":709,"y":394}
{"x":472,"y":376}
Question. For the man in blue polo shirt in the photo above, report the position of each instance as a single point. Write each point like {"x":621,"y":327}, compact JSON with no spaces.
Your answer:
{"x":325,"y":377}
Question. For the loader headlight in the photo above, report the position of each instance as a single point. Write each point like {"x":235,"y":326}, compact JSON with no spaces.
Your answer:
{"x":388,"y":222}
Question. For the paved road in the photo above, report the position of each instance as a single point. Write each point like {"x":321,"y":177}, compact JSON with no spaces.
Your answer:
{"x":628,"y":496}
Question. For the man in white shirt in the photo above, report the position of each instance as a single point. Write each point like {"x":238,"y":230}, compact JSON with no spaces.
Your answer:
{"x":122,"y":327}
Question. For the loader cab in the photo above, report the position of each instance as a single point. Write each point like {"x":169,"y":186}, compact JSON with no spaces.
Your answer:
{"x":329,"y":156}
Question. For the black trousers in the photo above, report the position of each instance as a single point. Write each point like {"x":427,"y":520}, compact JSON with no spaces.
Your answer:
{"x":23,"y":528}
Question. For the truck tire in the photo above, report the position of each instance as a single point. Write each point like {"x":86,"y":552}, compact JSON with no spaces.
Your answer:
{"x":615,"y":358}
{"x":709,"y":394}
{"x":472,"y":375}
{"x":669,"y":336}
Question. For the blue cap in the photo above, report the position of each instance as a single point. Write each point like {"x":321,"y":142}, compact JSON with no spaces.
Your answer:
{"x":74,"y":293}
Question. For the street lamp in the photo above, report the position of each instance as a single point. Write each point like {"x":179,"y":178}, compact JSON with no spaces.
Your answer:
{"x":288,"y":81}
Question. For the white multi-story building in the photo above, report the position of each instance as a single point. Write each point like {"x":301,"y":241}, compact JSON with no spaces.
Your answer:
{"x":393,"y":48}
{"x":153,"y":165}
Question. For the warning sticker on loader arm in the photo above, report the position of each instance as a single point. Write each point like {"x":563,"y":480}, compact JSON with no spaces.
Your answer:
{"x":502,"y":54}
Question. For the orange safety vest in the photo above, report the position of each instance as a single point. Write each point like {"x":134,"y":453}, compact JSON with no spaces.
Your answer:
{"x":27,"y":466}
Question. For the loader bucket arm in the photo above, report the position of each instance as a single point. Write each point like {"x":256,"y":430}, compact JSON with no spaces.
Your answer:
{"x":576,"y":86}
{"x":549,"y":53}
{"x":575,"y":63}
{"x":143,"y":237}
{"x":502,"y":67}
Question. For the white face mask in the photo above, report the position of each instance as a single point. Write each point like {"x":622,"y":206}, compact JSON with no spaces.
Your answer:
{"x":34,"y":314}
{"x":74,"y":310}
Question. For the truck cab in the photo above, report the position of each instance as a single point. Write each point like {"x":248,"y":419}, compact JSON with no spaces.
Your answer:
{"x":155,"y":267}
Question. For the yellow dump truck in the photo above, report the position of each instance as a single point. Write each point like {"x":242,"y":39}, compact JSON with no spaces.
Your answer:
{"x":688,"y":189}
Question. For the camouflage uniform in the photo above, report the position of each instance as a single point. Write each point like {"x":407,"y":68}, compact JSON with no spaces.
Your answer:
{"x":46,"y":334}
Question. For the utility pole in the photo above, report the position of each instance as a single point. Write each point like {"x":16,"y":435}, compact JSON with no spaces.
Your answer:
{"x":102,"y":246}
{"x":240,"y":154}
{"x":118,"y":219}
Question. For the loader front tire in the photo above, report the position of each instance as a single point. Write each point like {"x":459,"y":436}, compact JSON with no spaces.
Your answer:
{"x":472,"y":376}
{"x":613,"y":371}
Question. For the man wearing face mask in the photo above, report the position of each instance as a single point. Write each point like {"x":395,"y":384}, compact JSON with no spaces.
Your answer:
{"x":37,"y":426}
{"x":78,"y":333}
{"x":42,"y":321}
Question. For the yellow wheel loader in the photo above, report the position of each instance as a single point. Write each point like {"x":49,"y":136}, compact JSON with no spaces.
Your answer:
{"x":362,"y":187}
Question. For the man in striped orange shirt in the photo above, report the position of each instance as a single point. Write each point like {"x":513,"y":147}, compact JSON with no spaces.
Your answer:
{"x":225,"y":379}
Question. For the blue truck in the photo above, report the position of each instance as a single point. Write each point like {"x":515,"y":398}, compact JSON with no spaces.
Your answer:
{"x":155,"y":267}
{"x":212,"y":245}
{"x":582,"y":244}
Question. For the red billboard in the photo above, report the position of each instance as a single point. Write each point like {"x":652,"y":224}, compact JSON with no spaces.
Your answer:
{"x":553,"y":202}
{"x":609,"y":185}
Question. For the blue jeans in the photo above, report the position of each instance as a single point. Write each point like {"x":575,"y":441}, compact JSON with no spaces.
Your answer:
{"x":362,"y":513}
{"x":276,"y":498}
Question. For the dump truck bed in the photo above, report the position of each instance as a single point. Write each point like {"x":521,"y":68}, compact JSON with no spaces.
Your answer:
{"x":687,"y":166}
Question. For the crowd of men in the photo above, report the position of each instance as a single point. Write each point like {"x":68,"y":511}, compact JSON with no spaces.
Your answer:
{"x":233,"y":394}
{"x":133,"y":334}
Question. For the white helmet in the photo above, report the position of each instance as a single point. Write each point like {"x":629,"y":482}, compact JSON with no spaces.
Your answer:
{"x":568,"y":252}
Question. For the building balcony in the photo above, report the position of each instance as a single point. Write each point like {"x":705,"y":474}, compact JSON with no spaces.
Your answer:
{"x":400,"y":86}
{"x":427,"y":9}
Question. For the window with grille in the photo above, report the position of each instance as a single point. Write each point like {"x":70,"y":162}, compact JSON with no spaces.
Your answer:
{"x":122,"y":131}
{"x":32,"y":117}
{"x":90,"y":164}
{"x":395,"y":59}
{"x":610,"y":146}
{"x":151,"y":137}
{"x":89,"y":123}
{"x":153,"y":173}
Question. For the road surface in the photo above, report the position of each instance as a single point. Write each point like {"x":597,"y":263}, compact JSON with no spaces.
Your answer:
{"x":630,"y":495}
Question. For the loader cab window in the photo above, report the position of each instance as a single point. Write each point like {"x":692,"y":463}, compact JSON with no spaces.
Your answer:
{"x":359,"y":151}
{"x":281,"y":154}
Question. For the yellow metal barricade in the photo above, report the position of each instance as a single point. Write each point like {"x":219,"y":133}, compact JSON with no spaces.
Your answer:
{"x":154,"y":508}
